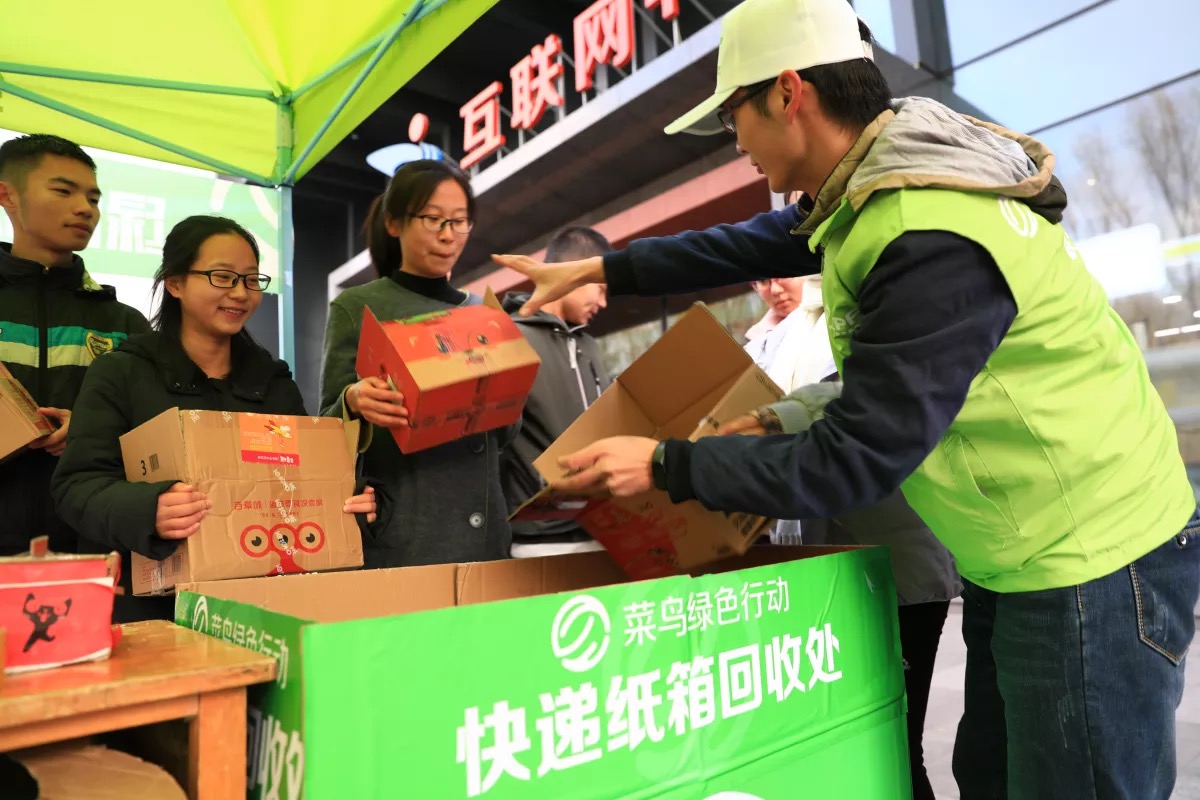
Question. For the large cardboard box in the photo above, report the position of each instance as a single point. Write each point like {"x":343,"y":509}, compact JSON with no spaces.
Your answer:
{"x":688,"y":383}
{"x":277,"y":486}
{"x":434,"y":682}
{"x":80,"y":771}
{"x":462,"y":371}
{"x":20,"y":423}
{"x":56,"y":610}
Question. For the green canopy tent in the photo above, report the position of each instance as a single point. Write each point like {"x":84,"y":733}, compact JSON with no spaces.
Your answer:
{"x":259,"y":89}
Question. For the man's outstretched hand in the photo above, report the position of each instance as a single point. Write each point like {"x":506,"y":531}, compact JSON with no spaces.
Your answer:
{"x":552,"y":281}
{"x":619,"y":467}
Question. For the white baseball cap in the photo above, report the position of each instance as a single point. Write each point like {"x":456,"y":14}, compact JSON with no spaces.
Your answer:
{"x":762,"y":38}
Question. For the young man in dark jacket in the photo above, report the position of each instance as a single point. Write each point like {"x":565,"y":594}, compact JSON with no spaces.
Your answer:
{"x":570,"y":379}
{"x":54,"y":319}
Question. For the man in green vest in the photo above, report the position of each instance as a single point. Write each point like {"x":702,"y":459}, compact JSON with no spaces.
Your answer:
{"x":984,"y":374}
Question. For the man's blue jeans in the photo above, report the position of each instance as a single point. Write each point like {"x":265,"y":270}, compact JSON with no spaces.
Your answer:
{"x":1071,"y":693}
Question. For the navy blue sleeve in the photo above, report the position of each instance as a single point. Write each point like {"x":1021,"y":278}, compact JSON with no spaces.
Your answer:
{"x":934,"y":308}
{"x":761,"y":247}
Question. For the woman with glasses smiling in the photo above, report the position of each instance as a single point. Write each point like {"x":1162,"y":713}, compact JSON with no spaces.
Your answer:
{"x":199,"y":357}
{"x":444,"y":504}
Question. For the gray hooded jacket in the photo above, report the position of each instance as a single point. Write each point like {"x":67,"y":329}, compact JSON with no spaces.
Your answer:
{"x":571,"y":377}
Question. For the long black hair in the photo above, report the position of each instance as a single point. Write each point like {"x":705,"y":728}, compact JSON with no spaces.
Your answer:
{"x":407,"y":193}
{"x":179,"y":254}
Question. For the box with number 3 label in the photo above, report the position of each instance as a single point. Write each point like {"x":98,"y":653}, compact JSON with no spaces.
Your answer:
{"x":277,"y":484}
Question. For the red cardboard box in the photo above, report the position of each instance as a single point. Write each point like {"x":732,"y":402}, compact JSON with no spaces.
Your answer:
{"x":462,"y":371}
{"x":56,"y":609}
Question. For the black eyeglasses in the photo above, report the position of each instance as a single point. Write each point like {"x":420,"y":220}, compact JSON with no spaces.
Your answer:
{"x":432,"y":222}
{"x":228,"y":279}
{"x":725,"y":112}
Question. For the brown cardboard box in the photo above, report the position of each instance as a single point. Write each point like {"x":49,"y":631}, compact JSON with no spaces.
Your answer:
{"x":277,"y":486}
{"x":462,"y":371}
{"x":686,"y":385}
{"x":80,"y":771}
{"x":20,"y":423}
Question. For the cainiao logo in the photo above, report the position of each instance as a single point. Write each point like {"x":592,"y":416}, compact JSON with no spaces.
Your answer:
{"x":200,"y":615}
{"x":581,"y":633}
{"x":733,"y":796}
{"x":1019,"y":216}
{"x":1069,"y":246}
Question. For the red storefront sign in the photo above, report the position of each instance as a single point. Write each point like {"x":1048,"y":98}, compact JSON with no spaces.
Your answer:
{"x":604,"y":34}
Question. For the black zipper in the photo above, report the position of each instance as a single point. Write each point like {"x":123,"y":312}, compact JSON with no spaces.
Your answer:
{"x":43,"y":343}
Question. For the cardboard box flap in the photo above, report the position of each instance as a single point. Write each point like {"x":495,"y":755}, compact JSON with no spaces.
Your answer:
{"x":491,"y":301}
{"x":261,"y":447}
{"x":340,"y":596}
{"x":750,"y":390}
{"x":684,"y":423}
{"x":155,"y":450}
{"x":488,"y":581}
{"x":14,"y":394}
{"x":449,"y":331}
{"x":431,"y":373}
{"x":616,"y":412}
{"x":668,"y":378}
{"x":551,"y":505}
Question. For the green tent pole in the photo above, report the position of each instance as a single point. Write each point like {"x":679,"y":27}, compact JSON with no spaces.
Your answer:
{"x":285,"y":123}
{"x":427,"y":8}
{"x":287,"y":308}
{"x":127,"y":80}
{"x":125,"y":130}
{"x":393,"y":34}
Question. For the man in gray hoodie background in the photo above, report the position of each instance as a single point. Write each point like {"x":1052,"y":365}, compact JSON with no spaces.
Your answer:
{"x":570,"y":379}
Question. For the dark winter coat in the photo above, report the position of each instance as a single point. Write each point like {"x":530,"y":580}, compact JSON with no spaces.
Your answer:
{"x":570,"y":378}
{"x":53,"y":324}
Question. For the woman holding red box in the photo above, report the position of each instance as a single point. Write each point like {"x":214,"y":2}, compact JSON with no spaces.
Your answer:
{"x":444,"y":504}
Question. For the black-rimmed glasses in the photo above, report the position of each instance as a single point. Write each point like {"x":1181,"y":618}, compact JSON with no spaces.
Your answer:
{"x":432,"y":222}
{"x":228,"y":279}
{"x":725,"y":112}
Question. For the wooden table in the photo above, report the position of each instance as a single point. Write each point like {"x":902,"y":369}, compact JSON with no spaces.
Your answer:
{"x":159,"y":671}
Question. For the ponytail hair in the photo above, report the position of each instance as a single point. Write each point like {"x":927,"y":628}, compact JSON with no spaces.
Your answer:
{"x":383,"y":247}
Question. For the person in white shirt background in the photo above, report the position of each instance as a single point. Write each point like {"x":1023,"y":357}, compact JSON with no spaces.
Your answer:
{"x":791,"y":342}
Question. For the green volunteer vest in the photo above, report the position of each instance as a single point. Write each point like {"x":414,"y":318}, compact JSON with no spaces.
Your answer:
{"x":1063,"y":465}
